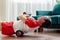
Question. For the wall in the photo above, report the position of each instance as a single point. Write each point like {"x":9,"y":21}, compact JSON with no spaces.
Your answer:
{"x":10,"y":10}
{"x":2,"y":10}
{"x":32,"y":7}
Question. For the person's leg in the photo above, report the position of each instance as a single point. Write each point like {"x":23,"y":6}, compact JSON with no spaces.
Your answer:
{"x":22,"y":18}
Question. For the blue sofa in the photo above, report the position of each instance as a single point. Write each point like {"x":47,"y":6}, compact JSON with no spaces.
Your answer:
{"x":54,"y":15}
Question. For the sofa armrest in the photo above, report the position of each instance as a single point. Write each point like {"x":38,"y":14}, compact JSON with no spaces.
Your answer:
{"x":54,"y":19}
{"x":35,"y":17}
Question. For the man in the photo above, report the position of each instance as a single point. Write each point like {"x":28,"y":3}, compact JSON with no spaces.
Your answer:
{"x":25,"y":24}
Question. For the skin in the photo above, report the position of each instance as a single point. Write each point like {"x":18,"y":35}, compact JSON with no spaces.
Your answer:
{"x":40,"y":20}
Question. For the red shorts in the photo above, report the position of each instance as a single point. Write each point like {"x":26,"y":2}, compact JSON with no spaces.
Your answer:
{"x":32,"y":23}
{"x":7,"y":28}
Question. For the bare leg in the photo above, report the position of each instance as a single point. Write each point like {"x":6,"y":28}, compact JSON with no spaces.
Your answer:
{"x":22,"y":17}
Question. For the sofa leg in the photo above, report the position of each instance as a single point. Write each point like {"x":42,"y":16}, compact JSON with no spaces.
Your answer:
{"x":35,"y":30}
{"x":40,"y":29}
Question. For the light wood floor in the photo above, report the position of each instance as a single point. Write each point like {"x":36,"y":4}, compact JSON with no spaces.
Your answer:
{"x":46,"y":35}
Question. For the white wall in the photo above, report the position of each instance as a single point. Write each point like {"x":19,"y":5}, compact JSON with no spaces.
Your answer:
{"x":2,"y":10}
{"x":10,"y":10}
{"x":32,"y":7}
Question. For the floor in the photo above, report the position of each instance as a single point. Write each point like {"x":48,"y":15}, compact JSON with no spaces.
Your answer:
{"x":46,"y":35}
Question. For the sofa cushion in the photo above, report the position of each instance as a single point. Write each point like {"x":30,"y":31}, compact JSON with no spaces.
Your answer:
{"x":35,"y":17}
{"x":18,"y":18}
{"x":42,"y":13}
{"x":54,"y":19}
{"x":58,"y":19}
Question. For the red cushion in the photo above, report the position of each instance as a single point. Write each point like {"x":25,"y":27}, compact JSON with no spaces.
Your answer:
{"x":7,"y":28}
